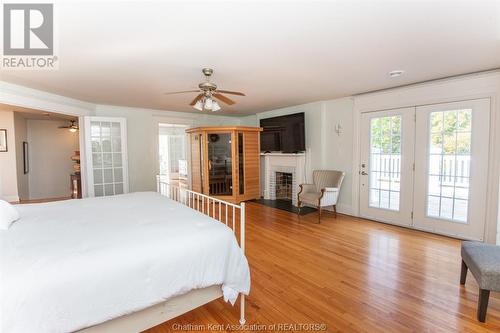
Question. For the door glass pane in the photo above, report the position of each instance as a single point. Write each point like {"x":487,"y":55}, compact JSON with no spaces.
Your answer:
{"x":98,"y":176}
{"x":107,"y":159}
{"x":98,"y":190}
{"x":385,"y":162}
{"x":117,"y":159}
{"x":118,"y":188}
{"x":115,"y":130}
{"x":449,"y":164}
{"x":220,"y":168}
{"x":109,"y":189}
{"x":118,"y":175}
{"x":105,"y":129}
{"x":108,"y":176}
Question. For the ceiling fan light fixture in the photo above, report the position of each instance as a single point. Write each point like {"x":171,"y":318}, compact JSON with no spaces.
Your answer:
{"x":207,"y":93}
{"x":199,"y":105}
{"x":215,"y":106}
{"x":208,"y":103}
{"x":73,"y":129}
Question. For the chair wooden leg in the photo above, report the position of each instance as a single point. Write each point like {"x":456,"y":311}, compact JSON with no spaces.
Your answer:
{"x":463,"y":274}
{"x":335,"y":211}
{"x":299,"y":205}
{"x":319,"y":214}
{"x":482,"y":304}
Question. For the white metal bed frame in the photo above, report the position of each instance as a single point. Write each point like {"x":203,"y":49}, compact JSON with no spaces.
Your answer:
{"x":220,"y":210}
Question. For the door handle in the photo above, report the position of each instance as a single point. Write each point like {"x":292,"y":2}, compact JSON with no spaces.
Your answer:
{"x":363,"y":173}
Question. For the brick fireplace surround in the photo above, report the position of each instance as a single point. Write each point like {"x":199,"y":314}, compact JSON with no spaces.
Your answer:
{"x":271,"y":163}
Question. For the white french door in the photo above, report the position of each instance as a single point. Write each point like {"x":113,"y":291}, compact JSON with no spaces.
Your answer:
{"x":106,"y":156}
{"x":451,"y":168}
{"x":426,"y":167}
{"x":386,"y":175}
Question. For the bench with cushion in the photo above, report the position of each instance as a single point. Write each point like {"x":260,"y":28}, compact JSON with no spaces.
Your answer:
{"x":483,"y":260}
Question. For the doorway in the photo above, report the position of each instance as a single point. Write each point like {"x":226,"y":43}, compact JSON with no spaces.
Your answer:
{"x":172,"y":153}
{"x":42,"y":162}
{"x":426,"y":167}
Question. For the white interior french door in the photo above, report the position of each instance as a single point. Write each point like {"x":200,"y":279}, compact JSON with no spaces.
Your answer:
{"x":451,"y":168}
{"x":426,"y":167}
{"x":172,"y":148}
{"x":106,"y":156}
{"x":386,"y":175}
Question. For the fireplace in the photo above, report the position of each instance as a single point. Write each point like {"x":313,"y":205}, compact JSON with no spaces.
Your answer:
{"x":283,"y":185}
{"x":284,"y":169}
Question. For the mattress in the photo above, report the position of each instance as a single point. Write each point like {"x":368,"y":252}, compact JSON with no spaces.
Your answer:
{"x":72,"y":264}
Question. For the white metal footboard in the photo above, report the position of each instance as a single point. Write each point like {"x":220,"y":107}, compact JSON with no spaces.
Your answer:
{"x":220,"y":210}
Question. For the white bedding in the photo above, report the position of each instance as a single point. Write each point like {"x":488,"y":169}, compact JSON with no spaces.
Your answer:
{"x":68,"y":265}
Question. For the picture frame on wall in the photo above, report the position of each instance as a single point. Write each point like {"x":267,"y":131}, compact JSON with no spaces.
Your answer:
{"x":3,"y":140}
{"x":26,"y":164}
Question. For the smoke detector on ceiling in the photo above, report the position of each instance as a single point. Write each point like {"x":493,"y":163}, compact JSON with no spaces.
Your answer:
{"x":396,"y":73}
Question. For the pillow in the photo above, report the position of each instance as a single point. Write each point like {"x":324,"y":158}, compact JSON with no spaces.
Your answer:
{"x":8,"y":214}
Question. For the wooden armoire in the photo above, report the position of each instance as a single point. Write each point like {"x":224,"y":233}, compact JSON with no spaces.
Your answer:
{"x":225,"y":162}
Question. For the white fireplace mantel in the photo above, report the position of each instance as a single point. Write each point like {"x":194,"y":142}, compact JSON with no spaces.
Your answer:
{"x":278,"y":162}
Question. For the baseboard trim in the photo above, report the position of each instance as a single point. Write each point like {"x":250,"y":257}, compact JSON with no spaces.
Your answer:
{"x":341,"y":209}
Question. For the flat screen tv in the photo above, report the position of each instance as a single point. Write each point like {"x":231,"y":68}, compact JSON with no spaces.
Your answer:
{"x":284,"y":134}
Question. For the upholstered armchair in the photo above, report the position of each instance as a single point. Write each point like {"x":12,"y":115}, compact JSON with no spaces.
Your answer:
{"x":323,"y":192}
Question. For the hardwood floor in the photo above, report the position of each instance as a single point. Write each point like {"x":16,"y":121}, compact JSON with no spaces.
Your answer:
{"x":351,"y":274}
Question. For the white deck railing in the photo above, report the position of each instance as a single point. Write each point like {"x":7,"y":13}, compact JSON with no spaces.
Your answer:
{"x":220,"y":210}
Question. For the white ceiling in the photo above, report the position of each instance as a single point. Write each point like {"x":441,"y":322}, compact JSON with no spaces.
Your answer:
{"x":279,"y":53}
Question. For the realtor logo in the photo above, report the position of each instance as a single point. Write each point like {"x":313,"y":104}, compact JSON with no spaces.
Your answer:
{"x":28,"y":36}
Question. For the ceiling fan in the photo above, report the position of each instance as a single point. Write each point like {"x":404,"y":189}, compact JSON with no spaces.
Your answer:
{"x":72,"y":127}
{"x":208,"y":94}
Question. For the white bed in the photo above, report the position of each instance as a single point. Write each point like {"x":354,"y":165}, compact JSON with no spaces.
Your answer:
{"x":128,"y":260}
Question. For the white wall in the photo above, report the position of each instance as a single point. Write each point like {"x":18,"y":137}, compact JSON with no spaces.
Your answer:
{"x":325,"y":148}
{"x":8,"y":174}
{"x":50,"y":151}
{"x":21,"y":135}
{"x":142,"y":138}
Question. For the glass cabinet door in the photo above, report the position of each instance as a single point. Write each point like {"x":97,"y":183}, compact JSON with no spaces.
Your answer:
{"x":220,"y":164}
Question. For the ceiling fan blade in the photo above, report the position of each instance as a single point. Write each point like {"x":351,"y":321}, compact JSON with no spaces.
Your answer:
{"x":196,"y":99}
{"x":224,"y":99}
{"x":231,"y":92}
{"x":180,"y":92}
